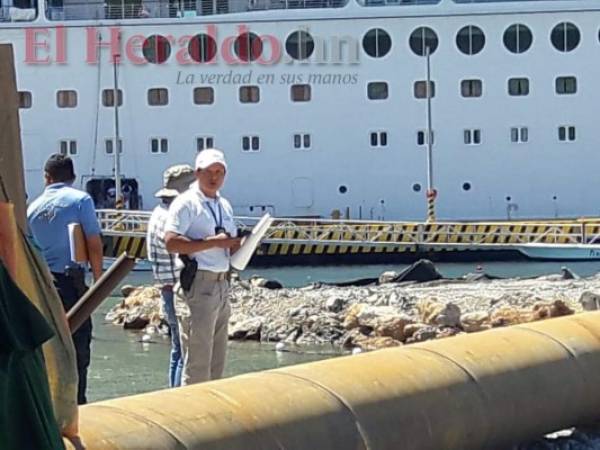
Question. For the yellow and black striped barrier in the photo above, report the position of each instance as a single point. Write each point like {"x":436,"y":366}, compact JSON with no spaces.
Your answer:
{"x":323,"y":242}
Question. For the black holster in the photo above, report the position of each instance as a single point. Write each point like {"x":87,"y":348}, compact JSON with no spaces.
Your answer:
{"x":188,"y":273}
{"x":77,"y":277}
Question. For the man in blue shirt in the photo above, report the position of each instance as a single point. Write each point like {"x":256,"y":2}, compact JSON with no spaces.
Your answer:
{"x":49,"y":217}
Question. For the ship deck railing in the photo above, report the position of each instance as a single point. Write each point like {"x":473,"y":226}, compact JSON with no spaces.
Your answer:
{"x":489,"y":234}
{"x":121,"y":9}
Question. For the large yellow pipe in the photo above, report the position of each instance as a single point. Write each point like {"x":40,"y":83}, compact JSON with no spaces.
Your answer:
{"x":477,"y":391}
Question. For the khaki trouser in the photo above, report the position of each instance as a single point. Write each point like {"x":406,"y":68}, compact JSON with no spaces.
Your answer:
{"x":203,"y":328}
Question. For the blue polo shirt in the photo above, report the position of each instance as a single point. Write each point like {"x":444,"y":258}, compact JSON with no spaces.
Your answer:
{"x":49,"y":216}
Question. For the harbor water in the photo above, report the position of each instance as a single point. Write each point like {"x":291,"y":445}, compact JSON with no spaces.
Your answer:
{"x":123,"y":365}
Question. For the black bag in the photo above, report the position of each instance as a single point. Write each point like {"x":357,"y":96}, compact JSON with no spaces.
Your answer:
{"x":188,"y":273}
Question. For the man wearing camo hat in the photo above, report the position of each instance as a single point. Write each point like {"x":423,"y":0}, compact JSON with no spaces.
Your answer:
{"x":176,"y":179}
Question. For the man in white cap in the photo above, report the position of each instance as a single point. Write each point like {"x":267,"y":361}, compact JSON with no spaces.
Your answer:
{"x":200,"y":227}
{"x":176,"y":179}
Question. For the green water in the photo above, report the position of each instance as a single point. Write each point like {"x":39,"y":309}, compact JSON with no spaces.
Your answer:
{"x":122,"y":365}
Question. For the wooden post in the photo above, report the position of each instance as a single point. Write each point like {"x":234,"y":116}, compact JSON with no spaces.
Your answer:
{"x":12,"y":181}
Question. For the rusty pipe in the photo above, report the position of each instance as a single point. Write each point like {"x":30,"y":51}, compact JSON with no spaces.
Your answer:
{"x":476,"y":391}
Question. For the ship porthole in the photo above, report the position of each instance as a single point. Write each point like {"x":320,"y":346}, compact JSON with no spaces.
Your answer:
{"x":416,"y":187}
{"x":420,"y":39}
{"x":300,"y":45}
{"x":156,"y":49}
{"x":470,"y":40}
{"x":565,"y":37}
{"x":377,"y":43}
{"x":517,"y":38}
{"x":202,"y":48}
{"x":466,"y":186}
{"x":343,"y":189}
{"x":248,"y":46}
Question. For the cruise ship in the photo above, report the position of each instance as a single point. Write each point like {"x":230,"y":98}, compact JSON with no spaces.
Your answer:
{"x":321,"y":106}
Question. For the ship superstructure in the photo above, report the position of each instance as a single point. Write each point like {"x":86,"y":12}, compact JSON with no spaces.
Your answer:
{"x":320,"y":105}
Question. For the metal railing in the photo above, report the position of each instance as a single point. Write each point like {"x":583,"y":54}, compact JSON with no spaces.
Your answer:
{"x":369,"y":233}
{"x":13,"y":14}
{"x":127,"y":9}
{"x":397,"y":2}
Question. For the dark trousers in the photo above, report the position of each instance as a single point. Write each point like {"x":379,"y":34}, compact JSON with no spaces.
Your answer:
{"x":82,"y":338}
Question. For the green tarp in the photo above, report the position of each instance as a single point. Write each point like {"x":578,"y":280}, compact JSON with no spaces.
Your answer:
{"x":26,"y":415}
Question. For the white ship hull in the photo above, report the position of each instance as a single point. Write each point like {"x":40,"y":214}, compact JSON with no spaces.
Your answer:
{"x":543,"y":177}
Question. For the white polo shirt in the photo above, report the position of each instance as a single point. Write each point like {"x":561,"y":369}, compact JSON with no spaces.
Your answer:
{"x":196,"y":216}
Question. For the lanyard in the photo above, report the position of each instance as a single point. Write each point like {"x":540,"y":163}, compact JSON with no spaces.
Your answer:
{"x":219,"y":222}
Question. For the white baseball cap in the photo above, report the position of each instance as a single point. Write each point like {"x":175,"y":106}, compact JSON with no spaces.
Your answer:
{"x":209,"y":157}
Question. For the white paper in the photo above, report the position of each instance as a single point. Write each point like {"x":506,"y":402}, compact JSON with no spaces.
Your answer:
{"x":241,"y":258}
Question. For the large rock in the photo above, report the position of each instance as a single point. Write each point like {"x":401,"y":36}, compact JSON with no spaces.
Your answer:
{"x":369,"y":343}
{"x":247,"y":329}
{"x":422,"y":334}
{"x":557,"y":308}
{"x":392,"y":326}
{"x":412,"y":328}
{"x":127,"y":290}
{"x":508,"y":315}
{"x":335,"y":304}
{"x":264,"y":283}
{"x":136,"y":321}
{"x":351,"y":319}
{"x":433,"y":313}
{"x":370,"y":315}
{"x":475,"y":321}
{"x":388,"y":277}
{"x":590,"y":301}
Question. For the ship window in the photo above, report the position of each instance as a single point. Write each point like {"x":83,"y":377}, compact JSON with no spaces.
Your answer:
{"x":566,"y":85}
{"x":518,"y":86}
{"x":66,"y":99}
{"x":378,"y":139}
{"x":377,"y":90}
{"x":342,"y":189}
{"x":109,"y":147}
{"x":204,"y":142}
{"x":422,"y":137}
{"x":519,"y":135}
{"x":68,"y":147}
{"x":158,"y":97}
{"x":565,"y":37}
{"x":300,"y":45}
{"x":250,"y":143}
{"x":416,"y":187}
{"x":159,"y":145}
{"x":25,"y":99}
{"x":422,"y":38}
{"x":377,"y":43}
{"x":466,"y":186}
{"x":108,"y":97}
{"x":518,"y":38}
{"x":248,"y":46}
{"x":249,"y":94}
{"x":202,"y":48}
{"x":470,"y":40}
{"x":156,"y":49}
{"x":302,"y":141}
{"x":300,"y":92}
{"x":566,"y":133}
{"x":420,"y":89}
{"x":471,"y":88}
{"x":472,"y":137}
{"x":204,"y":96}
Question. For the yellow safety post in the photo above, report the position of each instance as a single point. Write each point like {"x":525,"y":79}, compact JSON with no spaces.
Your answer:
{"x":431,"y":196}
